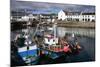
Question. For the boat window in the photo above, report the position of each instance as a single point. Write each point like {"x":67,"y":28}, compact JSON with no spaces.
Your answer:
{"x":48,"y":40}
{"x":53,"y":40}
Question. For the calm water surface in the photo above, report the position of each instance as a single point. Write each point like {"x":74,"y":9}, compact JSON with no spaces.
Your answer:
{"x":87,"y":42}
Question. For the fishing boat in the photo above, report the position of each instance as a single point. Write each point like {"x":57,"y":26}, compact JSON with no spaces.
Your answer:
{"x":44,"y":41}
{"x":53,"y":45}
{"x":27,"y":49}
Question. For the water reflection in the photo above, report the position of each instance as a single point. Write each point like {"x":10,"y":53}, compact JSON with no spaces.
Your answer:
{"x":88,"y":44}
{"x":78,"y":31}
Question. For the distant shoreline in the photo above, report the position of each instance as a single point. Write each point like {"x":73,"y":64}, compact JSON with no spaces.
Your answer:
{"x":77,"y":26}
{"x":87,"y":25}
{"x":90,"y":25}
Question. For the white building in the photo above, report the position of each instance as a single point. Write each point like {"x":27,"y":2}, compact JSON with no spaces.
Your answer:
{"x":76,"y":16}
{"x":88,"y":17}
{"x":61,"y":15}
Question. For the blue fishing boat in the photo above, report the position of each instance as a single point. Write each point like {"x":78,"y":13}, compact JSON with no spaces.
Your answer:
{"x":29,"y":54}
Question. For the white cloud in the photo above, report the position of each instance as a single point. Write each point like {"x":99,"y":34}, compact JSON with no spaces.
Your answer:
{"x":86,"y":2}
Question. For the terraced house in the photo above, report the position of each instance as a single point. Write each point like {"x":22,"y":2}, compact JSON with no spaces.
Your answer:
{"x":76,"y":16}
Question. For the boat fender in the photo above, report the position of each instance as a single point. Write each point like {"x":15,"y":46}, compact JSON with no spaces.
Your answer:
{"x":66,"y":48}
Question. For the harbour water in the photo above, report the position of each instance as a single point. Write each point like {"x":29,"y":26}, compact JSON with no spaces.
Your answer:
{"x":78,"y":31}
{"x":86,"y":38}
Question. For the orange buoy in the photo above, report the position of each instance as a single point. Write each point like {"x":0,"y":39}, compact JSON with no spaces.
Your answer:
{"x":66,"y":48}
{"x":43,"y":52}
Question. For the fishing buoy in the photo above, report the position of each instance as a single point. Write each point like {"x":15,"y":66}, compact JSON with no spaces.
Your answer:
{"x":26,"y":43}
{"x":30,"y":42}
{"x":66,"y":48}
{"x":78,"y":46}
{"x":26,"y":36}
{"x":43,"y":52}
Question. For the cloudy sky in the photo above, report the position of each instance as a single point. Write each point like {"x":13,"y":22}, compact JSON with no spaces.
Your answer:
{"x":44,"y":7}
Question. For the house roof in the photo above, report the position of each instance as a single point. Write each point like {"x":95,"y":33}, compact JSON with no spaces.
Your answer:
{"x":78,"y":13}
{"x":88,"y":13}
{"x":72,"y":13}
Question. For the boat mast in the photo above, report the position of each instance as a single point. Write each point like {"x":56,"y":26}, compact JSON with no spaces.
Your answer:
{"x":55,"y":30}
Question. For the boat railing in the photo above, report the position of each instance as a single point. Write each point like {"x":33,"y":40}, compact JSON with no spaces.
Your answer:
{"x":54,"y":48}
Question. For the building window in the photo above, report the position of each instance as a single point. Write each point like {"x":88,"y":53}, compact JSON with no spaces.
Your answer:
{"x":92,"y":15}
{"x":93,"y":20}
{"x":77,"y":19}
{"x":88,"y":19}
{"x":83,"y":19}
